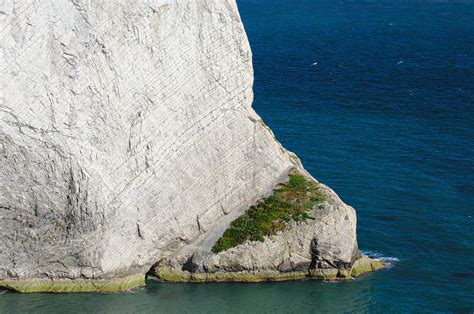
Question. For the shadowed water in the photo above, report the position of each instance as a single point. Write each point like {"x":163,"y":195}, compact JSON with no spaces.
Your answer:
{"x":377,"y":98}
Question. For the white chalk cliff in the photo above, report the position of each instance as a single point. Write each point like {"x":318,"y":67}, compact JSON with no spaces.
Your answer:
{"x":126,"y":135}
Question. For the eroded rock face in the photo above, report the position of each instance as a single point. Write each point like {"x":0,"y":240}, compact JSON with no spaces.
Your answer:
{"x":127,"y":137}
{"x":126,"y":131}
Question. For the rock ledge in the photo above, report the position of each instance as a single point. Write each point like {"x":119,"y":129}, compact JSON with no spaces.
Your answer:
{"x":362,"y":266}
{"x":76,"y":285}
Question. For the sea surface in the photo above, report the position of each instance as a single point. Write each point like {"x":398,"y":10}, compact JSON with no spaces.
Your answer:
{"x":377,"y":99}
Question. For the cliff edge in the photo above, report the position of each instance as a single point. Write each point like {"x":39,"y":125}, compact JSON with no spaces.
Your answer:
{"x":127,"y":140}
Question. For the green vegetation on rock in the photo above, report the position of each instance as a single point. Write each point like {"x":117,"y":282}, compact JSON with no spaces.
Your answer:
{"x":290,"y":202}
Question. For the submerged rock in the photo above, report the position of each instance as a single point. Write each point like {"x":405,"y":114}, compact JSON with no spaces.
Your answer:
{"x":127,"y":137}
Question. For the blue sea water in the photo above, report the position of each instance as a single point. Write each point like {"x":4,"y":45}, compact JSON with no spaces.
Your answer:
{"x":377,"y":99}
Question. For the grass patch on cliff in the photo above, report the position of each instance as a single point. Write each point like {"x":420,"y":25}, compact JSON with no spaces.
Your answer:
{"x":290,"y":202}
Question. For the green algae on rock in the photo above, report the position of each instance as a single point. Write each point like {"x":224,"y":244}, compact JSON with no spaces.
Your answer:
{"x":362,"y":266}
{"x":170,"y":275}
{"x":77,"y":285}
{"x":365,"y":265}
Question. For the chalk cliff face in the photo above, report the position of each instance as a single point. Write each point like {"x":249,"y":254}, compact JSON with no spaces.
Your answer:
{"x":126,"y":134}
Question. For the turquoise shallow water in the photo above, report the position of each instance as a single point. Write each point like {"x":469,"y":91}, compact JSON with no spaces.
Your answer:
{"x":386,"y":118}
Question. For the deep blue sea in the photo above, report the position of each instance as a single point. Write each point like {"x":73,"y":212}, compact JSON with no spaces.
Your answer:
{"x":377,"y":99}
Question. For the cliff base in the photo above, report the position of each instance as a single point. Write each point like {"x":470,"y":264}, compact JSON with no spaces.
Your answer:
{"x":362,"y":266}
{"x":77,"y":285}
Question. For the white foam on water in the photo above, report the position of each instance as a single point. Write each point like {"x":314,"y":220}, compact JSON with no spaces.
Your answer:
{"x":387,"y":259}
